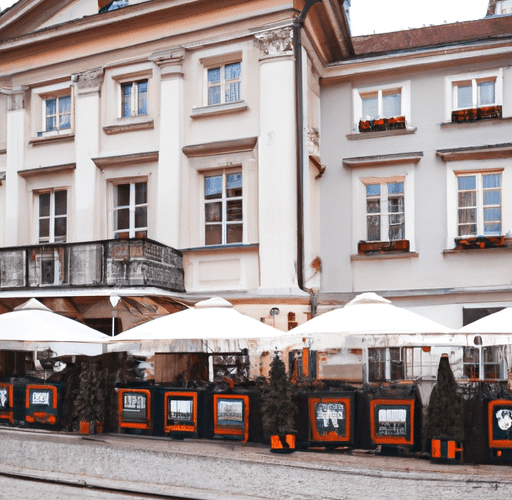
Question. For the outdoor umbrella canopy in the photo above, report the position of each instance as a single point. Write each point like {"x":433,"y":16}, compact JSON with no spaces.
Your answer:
{"x":498,"y":323}
{"x":212,"y":325}
{"x":34,"y":327}
{"x":370,"y":313}
{"x":366,"y":315}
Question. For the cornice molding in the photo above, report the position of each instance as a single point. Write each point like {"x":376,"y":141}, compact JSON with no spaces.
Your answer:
{"x":42,"y":171}
{"x":222,"y":147}
{"x":125,"y":160}
{"x":488,"y":152}
{"x":383,"y":160}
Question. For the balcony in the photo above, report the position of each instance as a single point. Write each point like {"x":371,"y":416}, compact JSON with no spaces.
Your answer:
{"x":119,"y":263}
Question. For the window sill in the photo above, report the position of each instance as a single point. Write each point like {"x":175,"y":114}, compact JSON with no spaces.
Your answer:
{"x":387,"y":255}
{"x":384,"y":133}
{"x":476,"y":123}
{"x":36,"y":141}
{"x":507,"y":247}
{"x":129,"y":127}
{"x":235,"y":247}
{"x":219,"y":109}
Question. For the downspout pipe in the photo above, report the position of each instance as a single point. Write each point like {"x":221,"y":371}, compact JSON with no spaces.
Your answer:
{"x":298,"y":23}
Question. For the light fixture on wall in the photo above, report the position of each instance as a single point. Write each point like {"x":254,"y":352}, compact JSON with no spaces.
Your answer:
{"x":274,"y":312}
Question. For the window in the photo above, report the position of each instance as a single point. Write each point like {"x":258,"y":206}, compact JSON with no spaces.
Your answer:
{"x":58,"y":113}
{"x":131,"y":210}
{"x":52,"y":216}
{"x":381,"y":108}
{"x":385,"y":363}
{"x":479,"y":204}
{"x":385,"y":211}
{"x":223,"y":83}
{"x":223,"y":208}
{"x":493,"y":362}
{"x":134,"y":98}
{"x":476,"y":96}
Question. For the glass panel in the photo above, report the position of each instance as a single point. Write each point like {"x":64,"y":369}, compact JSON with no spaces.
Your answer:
{"x":373,"y":227}
{"x":373,"y":190}
{"x":486,"y":93}
{"x":370,"y":108}
{"x":464,"y":96}
{"x":492,"y":180}
{"x":123,"y":195}
{"x":61,"y":202}
{"x":51,"y":106}
{"x":492,"y":214}
{"x":467,"y":199}
{"x":377,"y":365}
{"x":234,"y":210}
{"x":44,"y":228}
{"x":213,"y":187}
{"x":213,"y":212}
{"x":213,"y":234}
{"x":492,"y":229}
{"x":141,"y":216}
{"x":234,"y":185}
{"x":143,"y":97}
{"x":214,"y":75}
{"x":122,"y":219}
{"x":51,"y":123}
{"x":141,"y":193}
{"x":467,"y":215}
{"x":467,"y":230}
{"x":396,"y":232}
{"x":372,"y":206}
{"x":214,"y":95}
{"x":233,"y":71}
{"x":391,"y":104}
{"x":234,"y":233}
{"x":395,"y":204}
{"x":232,"y":92}
{"x":60,"y":228}
{"x":467,"y":182}
{"x":126,"y":99}
{"x":395,"y":187}
{"x":44,"y":205}
{"x":65,"y":104}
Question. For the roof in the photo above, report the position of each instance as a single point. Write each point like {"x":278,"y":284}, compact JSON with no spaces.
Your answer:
{"x":430,"y":36}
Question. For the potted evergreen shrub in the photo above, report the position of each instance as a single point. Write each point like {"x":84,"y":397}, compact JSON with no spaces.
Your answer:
{"x":89,"y":405}
{"x":278,"y":408}
{"x":445,"y":415}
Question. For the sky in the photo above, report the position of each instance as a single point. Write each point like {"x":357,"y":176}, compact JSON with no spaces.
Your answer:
{"x":381,"y":16}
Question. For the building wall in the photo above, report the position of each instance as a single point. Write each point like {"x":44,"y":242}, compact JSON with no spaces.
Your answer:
{"x":431,"y":267}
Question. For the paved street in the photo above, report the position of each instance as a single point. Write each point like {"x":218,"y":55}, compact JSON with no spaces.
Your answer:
{"x":220,"y":469}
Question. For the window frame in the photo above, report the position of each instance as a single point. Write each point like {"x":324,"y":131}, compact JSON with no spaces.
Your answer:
{"x":46,"y":94}
{"x":222,"y":84}
{"x":132,"y":229}
{"x":451,"y":85}
{"x":403,"y":87}
{"x":221,"y":61}
{"x":134,"y":98}
{"x":224,"y":223}
{"x":479,"y":206}
{"x":51,"y":217}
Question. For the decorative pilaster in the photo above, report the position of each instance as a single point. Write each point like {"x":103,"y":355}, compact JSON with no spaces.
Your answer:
{"x":277,"y":155}
{"x":87,"y":138}
{"x":16,"y":226}
{"x":167,"y":200}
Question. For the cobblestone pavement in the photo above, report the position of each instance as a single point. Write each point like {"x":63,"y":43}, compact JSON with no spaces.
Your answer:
{"x":201,"y":469}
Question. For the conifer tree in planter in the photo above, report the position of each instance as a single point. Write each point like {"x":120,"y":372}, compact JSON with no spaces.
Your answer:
{"x":445,"y":414}
{"x":278,"y":408}
{"x":89,"y":405}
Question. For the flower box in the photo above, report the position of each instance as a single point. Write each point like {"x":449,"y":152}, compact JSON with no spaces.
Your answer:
{"x":479,"y":242}
{"x":371,"y":247}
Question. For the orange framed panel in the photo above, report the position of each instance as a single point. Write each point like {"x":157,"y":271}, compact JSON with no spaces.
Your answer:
{"x":231,"y":416}
{"x":184,"y":413}
{"x":330,"y":419}
{"x":134,"y":408}
{"x":41,"y":404}
{"x":500,"y":423}
{"x":392,"y":421}
{"x":7,"y":402}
